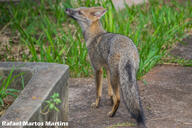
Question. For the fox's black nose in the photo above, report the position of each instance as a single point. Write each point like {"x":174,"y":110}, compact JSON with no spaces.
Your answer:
{"x":68,"y":10}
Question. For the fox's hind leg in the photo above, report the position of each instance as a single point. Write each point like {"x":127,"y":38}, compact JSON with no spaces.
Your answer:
{"x":116,"y":96}
{"x":98,"y":82}
{"x":110,"y":90}
{"x":113,"y":64}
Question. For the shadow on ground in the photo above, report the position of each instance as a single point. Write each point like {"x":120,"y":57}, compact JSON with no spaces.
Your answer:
{"x":166,"y":97}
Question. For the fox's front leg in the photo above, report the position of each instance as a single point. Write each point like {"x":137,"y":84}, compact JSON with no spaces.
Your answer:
{"x":98,"y":82}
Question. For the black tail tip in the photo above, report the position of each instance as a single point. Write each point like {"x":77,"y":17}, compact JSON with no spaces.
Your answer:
{"x":141,"y":124}
{"x":141,"y":120}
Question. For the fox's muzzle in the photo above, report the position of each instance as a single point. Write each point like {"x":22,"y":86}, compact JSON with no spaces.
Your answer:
{"x":69,"y":11}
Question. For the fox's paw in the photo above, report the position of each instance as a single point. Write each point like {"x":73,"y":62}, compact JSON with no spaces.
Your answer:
{"x":110,"y":114}
{"x":94,"y":105}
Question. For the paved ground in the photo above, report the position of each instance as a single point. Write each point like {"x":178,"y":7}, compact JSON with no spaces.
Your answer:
{"x":184,"y":49}
{"x":166,"y":97}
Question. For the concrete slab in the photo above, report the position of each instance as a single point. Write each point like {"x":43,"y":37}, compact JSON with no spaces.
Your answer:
{"x":120,"y":4}
{"x":46,"y":79}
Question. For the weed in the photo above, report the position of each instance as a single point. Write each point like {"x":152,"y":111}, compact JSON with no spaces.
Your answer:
{"x":51,"y":104}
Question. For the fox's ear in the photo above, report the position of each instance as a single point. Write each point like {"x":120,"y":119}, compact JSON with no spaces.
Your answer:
{"x":99,"y":12}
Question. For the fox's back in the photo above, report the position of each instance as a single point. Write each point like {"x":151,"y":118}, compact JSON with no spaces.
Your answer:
{"x":108,"y":44}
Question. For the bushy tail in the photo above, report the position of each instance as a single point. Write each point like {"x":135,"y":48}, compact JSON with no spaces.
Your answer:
{"x":129,"y":89}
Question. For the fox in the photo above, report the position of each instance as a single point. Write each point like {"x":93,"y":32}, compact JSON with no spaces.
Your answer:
{"x":118,"y":55}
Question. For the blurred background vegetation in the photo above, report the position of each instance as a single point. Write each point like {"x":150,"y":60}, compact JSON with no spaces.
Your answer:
{"x":40,"y":31}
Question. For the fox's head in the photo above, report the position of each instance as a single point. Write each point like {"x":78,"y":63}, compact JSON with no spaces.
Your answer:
{"x":86,"y":16}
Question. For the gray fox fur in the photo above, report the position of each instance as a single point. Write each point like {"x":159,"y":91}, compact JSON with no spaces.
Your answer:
{"x":118,"y":55}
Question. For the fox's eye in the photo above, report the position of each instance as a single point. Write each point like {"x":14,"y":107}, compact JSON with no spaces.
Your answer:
{"x":80,"y":13}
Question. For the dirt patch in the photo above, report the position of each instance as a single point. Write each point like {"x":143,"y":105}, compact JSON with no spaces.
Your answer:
{"x":166,"y":97}
{"x":183,"y":49}
{"x":10,"y":47}
{"x":7,"y":102}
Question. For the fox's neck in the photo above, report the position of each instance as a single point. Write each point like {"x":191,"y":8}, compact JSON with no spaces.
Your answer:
{"x":89,"y":32}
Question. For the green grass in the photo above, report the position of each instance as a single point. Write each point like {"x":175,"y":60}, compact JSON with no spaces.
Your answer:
{"x":51,"y":36}
{"x":5,"y":90}
{"x":171,"y":60}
